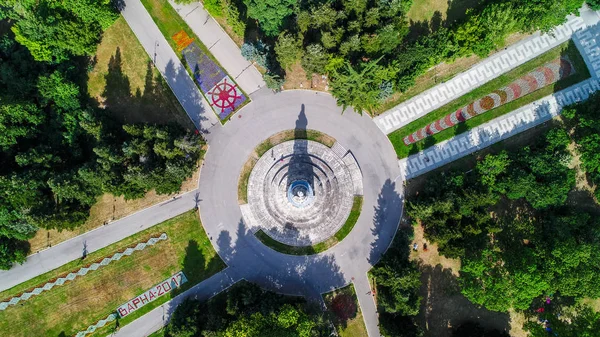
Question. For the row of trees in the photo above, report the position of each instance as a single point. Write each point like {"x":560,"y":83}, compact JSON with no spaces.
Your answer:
{"x":365,"y":46}
{"x":398,"y":282}
{"x":58,"y":153}
{"x":514,"y":227}
{"x":247,"y":310}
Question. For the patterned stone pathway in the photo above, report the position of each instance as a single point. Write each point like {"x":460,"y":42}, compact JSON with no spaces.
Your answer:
{"x":498,"y":129}
{"x":478,"y":75}
{"x":524,"y":118}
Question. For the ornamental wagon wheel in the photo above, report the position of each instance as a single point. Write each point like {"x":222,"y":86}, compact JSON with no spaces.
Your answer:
{"x":224,"y":95}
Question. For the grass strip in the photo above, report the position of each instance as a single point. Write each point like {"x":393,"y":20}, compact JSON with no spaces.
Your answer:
{"x":319,"y":247}
{"x":169,"y":23}
{"x":82,"y":302}
{"x":267,"y":144}
{"x":566,"y":49}
{"x":344,"y":311}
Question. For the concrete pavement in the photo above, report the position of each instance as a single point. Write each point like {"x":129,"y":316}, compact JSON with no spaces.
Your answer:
{"x":169,"y":65}
{"x":220,"y":45}
{"x":301,"y":275}
{"x":101,"y":237}
{"x":366,"y":300}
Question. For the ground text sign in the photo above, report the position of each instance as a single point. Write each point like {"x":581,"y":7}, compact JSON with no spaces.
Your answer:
{"x":155,"y":292}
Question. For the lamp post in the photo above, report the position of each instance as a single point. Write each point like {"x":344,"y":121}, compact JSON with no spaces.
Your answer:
{"x":155,"y":46}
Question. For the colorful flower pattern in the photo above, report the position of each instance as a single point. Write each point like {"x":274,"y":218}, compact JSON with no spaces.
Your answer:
{"x":222,"y":93}
{"x":543,"y":76}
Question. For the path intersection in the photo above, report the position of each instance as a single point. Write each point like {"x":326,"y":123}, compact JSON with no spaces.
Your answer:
{"x":383,"y":175}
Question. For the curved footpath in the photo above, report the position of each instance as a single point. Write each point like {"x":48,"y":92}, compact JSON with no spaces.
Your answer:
{"x":247,"y":258}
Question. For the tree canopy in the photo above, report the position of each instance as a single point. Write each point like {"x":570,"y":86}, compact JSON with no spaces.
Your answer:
{"x":246,"y":310}
{"x":59,"y":153}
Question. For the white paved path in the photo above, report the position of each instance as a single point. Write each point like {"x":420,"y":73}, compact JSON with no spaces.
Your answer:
{"x":496,"y":130}
{"x":101,"y":237}
{"x":481,"y":73}
{"x":364,"y":293}
{"x":220,"y":45}
{"x":168,"y":64}
{"x":519,"y":120}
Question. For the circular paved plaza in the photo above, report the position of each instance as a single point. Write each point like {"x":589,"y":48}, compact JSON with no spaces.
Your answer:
{"x":302,"y":191}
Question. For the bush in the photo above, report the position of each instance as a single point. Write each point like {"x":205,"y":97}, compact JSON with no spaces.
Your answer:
{"x":256,"y":52}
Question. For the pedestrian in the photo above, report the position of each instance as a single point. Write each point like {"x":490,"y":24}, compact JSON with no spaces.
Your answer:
{"x":415,"y":246}
{"x":424,"y":246}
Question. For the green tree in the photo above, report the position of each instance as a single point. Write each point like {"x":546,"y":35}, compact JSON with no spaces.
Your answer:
{"x":360,"y":88}
{"x":270,"y":13}
{"x":53,"y":31}
{"x":18,"y":119}
{"x":288,"y":49}
{"x":314,"y":60}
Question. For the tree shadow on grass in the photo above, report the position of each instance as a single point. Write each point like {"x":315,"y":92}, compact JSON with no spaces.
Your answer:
{"x":444,"y":307}
{"x":195,"y":266}
{"x":154,"y":105}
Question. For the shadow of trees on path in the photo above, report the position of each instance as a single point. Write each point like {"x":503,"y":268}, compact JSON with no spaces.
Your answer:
{"x":388,"y":212}
{"x":308,"y":276}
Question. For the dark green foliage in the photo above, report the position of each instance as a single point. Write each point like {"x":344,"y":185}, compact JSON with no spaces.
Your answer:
{"x":398,"y":282}
{"x":246,"y":310}
{"x":58,"y":154}
{"x":584,"y":120}
{"x":360,"y":89}
{"x":564,"y":320}
{"x":288,"y":49}
{"x":511,"y":223}
{"x":594,"y":4}
{"x":53,"y":31}
{"x":273,"y":81}
{"x":391,"y":325}
{"x":270,"y":13}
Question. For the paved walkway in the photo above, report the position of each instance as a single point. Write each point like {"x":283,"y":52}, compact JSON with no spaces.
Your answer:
{"x":517,"y":121}
{"x":101,"y":237}
{"x":169,"y":65}
{"x":220,"y":45}
{"x":301,"y":275}
{"x":496,"y":130}
{"x":481,"y":73}
{"x":367,"y":304}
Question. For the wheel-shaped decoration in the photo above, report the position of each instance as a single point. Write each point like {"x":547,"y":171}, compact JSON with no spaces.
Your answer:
{"x":224,"y":95}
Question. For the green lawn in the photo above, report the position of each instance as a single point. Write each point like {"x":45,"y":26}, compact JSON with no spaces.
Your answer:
{"x":124,"y":79}
{"x":567,"y":48}
{"x":77,"y":304}
{"x":319,"y":247}
{"x":345,"y":313}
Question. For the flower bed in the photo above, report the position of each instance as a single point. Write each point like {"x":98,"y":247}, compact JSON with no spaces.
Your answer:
{"x":541,"y":77}
{"x":223,"y":94}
